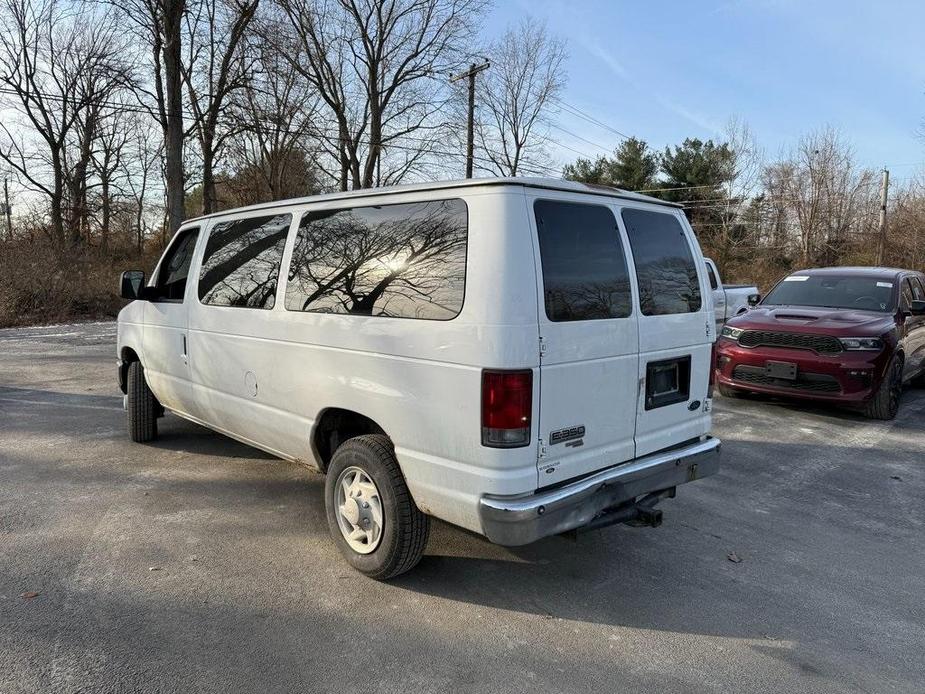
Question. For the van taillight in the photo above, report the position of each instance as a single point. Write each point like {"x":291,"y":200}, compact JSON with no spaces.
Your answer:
{"x":507,"y":402}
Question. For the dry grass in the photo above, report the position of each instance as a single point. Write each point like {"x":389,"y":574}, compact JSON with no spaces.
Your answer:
{"x":42,"y":284}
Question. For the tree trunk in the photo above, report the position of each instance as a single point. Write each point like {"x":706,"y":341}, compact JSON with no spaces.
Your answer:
{"x":104,"y":221}
{"x":173,"y":86}
{"x":209,"y":197}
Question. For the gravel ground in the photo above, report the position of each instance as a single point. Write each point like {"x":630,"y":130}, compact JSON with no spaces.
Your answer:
{"x":199,"y":564}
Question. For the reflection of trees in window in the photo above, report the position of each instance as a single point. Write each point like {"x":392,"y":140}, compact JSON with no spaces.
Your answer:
{"x":241,"y":262}
{"x":584,"y":270}
{"x":665,"y":269}
{"x":588,"y":300}
{"x":406,"y":260}
{"x":171,"y":284}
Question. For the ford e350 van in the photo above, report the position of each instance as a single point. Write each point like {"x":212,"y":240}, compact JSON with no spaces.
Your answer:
{"x":519,"y":357}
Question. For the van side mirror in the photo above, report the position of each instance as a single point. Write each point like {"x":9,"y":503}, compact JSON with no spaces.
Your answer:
{"x":132,"y":284}
{"x":917,"y":307}
{"x":753,"y":299}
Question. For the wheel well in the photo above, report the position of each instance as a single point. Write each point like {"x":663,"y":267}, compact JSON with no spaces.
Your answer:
{"x":334,"y":426}
{"x":127,"y":356}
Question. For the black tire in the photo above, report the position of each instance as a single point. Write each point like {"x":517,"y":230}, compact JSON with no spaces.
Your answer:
{"x":728,"y":392}
{"x":885,"y":403}
{"x":142,"y":406}
{"x":404,"y":528}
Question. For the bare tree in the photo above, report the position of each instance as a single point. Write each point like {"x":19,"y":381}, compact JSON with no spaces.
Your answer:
{"x":59,"y":65}
{"x":378,"y":67}
{"x":274,"y":149}
{"x":215,"y":66}
{"x":527,"y":74}
{"x":159,"y":24}
{"x":739,"y":189}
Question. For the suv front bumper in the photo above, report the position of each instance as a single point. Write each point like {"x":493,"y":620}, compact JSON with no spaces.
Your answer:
{"x":523,"y":519}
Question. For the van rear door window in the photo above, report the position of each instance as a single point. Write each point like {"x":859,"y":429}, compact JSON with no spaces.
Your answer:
{"x":585,"y":275}
{"x":406,"y":260}
{"x":665,"y":268}
{"x":241,"y":262}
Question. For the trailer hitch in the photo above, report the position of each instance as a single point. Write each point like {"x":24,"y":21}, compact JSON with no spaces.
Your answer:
{"x":639,"y":512}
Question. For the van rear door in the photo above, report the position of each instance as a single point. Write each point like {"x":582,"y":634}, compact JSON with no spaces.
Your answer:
{"x":676,"y":328}
{"x":588,"y":338}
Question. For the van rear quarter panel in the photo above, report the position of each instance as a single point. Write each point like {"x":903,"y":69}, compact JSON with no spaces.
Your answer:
{"x":420,"y":380}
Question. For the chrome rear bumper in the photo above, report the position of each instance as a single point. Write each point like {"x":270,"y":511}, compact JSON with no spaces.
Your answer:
{"x":523,"y":519}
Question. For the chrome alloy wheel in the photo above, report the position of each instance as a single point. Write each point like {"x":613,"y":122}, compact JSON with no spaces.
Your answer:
{"x":359,"y":510}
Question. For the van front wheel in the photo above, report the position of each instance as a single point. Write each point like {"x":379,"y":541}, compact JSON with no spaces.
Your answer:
{"x":142,"y":406}
{"x":371,"y":514}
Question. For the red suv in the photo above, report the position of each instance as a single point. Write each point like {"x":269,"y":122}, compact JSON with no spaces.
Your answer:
{"x":846,"y":335}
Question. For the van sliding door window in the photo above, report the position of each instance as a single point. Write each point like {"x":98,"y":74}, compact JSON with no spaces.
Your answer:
{"x":585,"y":276}
{"x":665,"y":268}
{"x":402,"y":261}
{"x":241,"y":262}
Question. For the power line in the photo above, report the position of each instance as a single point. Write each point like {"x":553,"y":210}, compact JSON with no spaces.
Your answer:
{"x":574,"y":110}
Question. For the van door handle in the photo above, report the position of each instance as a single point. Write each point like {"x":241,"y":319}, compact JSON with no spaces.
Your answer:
{"x":183,"y":354}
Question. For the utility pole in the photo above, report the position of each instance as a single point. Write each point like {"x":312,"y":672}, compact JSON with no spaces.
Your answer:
{"x":470,"y":133}
{"x":881,"y":242}
{"x":6,"y":208}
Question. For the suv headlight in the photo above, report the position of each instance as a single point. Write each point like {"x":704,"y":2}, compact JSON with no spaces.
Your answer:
{"x":731,"y":333}
{"x":863,"y":344}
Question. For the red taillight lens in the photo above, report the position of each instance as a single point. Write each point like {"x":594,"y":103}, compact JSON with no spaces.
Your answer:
{"x":507,"y":402}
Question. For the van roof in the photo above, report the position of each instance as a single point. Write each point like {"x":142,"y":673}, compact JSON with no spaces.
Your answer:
{"x":546,"y":183}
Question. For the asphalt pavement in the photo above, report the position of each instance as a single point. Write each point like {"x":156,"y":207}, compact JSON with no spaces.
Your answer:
{"x":198,"y":564}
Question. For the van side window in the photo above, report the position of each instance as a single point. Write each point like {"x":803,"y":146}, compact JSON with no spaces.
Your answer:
{"x":171,"y":279}
{"x":713,"y":283}
{"x":240,"y":266}
{"x":665,"y":268}
{"x":403,"y":261}
{"x":585,"y":276}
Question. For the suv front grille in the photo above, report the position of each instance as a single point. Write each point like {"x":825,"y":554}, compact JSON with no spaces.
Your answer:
{"x":823,"y":344}
{"x":816,"y":383}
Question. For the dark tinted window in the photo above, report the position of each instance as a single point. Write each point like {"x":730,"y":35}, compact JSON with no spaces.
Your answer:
{"x":171,"y":280}
{"x":833,"y":291}
{"x":240,"y":266}
{"x":665,"y":267}
{"x":918,"y":289}
{"x":403,"y":261}
{"x":584,"y":270}
{"x":713,"y":282}
{"x":907,"y":293}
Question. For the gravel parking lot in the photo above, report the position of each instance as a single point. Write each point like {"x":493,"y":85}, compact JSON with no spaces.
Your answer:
{"x":198,"y":564}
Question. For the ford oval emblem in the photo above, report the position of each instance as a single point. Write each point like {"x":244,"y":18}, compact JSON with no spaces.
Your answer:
{"x":695,"y":405}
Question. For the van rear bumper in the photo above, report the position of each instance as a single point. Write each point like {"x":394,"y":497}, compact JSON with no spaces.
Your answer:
{"x":520,"y":520}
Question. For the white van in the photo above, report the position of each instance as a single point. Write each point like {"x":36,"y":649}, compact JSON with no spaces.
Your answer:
{"x":520,"y":357}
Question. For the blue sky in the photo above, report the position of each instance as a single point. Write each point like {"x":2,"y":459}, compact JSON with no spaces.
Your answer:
{"x":665,"y":70}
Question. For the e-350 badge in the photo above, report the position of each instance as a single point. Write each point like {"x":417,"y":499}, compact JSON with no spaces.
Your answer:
{"x":567,"y":434}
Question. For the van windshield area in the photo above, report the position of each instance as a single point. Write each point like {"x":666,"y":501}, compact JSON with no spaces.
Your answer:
{"x":833,"y":291}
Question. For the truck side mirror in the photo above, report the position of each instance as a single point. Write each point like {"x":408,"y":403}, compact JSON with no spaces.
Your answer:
{"x":917,"y":307}
{"x":132,"y":284}
{"x":753,"y":299}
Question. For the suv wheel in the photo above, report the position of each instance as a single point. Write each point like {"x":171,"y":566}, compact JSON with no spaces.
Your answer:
{"x":885,"y":403}
{"x":142,"y":406}
{"x":371,"y":514}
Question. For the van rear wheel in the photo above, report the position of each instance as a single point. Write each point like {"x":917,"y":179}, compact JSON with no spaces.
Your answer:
{"x":371,"y":515}
{"x":142,"y":405}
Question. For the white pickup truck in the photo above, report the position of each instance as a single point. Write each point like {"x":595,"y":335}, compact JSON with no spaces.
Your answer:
{"x":728,"y":299}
